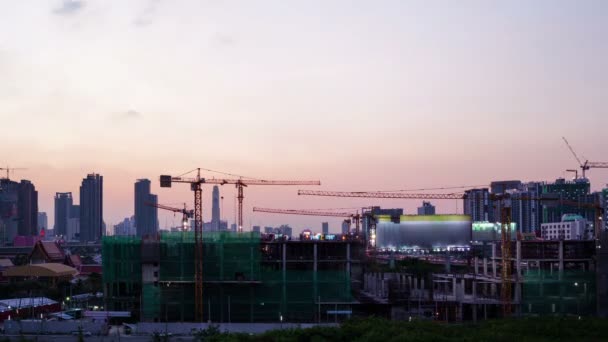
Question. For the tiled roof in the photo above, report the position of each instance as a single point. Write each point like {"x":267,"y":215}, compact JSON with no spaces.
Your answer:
{"x":52,"y":250}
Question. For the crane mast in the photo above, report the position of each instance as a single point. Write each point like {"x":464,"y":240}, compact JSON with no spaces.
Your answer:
{"x":196,"y":187}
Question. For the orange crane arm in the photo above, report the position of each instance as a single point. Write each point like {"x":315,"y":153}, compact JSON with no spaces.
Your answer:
{"x":377,"y":194}
{"x":303,"y":212}
{"x":222,"y":181}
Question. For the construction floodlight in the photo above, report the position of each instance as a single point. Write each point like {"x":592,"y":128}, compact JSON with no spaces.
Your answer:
{"x":165,"y":181}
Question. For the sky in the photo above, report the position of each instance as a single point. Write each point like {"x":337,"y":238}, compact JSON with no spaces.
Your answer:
{"x":362,"y":95}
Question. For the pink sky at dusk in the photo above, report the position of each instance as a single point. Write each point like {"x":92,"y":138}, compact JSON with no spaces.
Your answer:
{"x":361,"y":95}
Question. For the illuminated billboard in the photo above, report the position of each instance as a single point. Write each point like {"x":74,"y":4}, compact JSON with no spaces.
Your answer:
{"x":487,"y":231}
{"x":423,"y":232}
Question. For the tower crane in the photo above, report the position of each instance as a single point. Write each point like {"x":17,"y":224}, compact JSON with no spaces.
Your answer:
{"x":196,"y":186}
{"x":503,"y":200}
{"x":587,"y":164}
{"x":242,"y":183}
{"x":9,"y":169}
{"x":356,"y":217}
{"x":187,"y":214}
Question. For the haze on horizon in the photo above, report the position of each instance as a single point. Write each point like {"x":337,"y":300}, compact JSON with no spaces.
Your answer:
{"x":362,"y":95}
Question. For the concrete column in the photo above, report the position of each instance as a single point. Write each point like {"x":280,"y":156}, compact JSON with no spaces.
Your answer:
{"x":422,"y":285}
{"x":454,"y":287}
{"x":518,"y":259}
{"x":348,"y":258}
{"x":485,"y":267}
{"x":494,"y":260}
{"x":476,"y":261}
{"x":561,"y":259}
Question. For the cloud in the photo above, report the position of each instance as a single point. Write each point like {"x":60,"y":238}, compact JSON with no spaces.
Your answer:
{"x":69,"y":7}
{"x":144,"y":18}
{"x":224,"y":39}
{"x":131,"y":114}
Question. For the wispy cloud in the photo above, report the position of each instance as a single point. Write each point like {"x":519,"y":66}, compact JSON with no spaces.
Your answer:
{"x":131,"y":114}
{"x":224,"y":39}
{"x":69,"y":7}
{"x":144,"y":18}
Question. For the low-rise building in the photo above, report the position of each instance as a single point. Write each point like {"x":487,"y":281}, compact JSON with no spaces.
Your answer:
{"x":572,"y":227}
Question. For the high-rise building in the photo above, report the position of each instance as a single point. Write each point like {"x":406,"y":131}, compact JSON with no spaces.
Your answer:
{"x":426,"y":209}
{"x":255,"y":229}
{"x":233,"y":227}
{"x":478,"y":205}
{"x":28,"y":209}
{"x":268,"y":230}
{"x":27,"y":201}
{"x":126,"y":227}
{"x":325,"y":228}
{"x":9,"y":213}
{"x":502,"y":187}
{"x":91,"y":208}
{"x":215,"y":209}
{"x":18,"y":209}
{"x":345,"y":227}
{"x":525,"y":211}
{"x":73,"y":232}
{"x":146,"y":215}
{"x":63,"y":208}
{"x":43,"y":221}
{"x":577,"y":190}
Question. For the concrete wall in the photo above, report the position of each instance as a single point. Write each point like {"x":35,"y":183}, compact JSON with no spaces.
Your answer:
{"x":51,"y":327}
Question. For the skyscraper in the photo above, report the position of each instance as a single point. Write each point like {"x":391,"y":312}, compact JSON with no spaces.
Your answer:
{"x":9,"y":210}
{"x":215,"y":209}
{"x":28,"y":209}
{"x":91,"y":208}
{"x":526,"y":213}
{"x":63,"y":207}
{"x":575,"y":191}
{"x":43,"y":221}
{"x":146,"y":216}
{"x":501,"y":187}
{"x":478,"y":205}
{"x":426,"y":209}
{"x":345,"y":227}
{"x":325,"y":228}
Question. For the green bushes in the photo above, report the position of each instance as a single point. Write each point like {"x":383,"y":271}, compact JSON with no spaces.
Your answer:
{"x":376,"y":329}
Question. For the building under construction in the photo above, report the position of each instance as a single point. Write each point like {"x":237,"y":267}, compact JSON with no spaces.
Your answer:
{"x":550,"y":278}
{"x":245,"y":279}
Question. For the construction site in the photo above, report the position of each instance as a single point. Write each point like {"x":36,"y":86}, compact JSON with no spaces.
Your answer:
{"x":245,"y":279}
{"x":429,"y":266}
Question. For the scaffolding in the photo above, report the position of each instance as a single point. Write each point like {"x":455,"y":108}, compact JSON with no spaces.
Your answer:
{"x":245,"y":279}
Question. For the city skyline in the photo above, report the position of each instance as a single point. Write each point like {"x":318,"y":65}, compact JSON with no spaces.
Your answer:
{"x":360,"y":96}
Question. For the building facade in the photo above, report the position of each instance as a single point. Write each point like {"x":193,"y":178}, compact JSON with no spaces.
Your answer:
{"x":574,"y":191}
{"x":28,"y":209}
{"x":525,"y":212}
{"x":215,"y":209}
{"x":426,"y":209}
{"x":63,"y":207}
{"x":43,"y":221}
{"x":571,"y":227}
{"x":146,"y":214}
{"x":91,"y":208}
{"x":479,"y":205}
{"x":18,"y":209}
{"x":325,"y":228}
